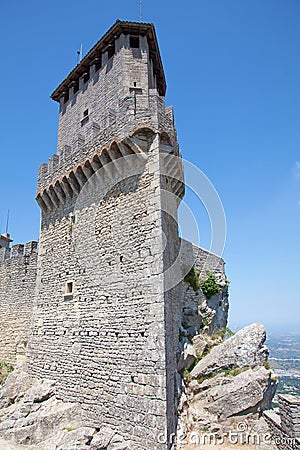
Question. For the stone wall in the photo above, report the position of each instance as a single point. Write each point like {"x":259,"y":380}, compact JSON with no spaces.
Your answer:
{"x":17,"y":284}
{"x":105,"y":322}
{"x":115,"y":96}
{"x":285,"y":425}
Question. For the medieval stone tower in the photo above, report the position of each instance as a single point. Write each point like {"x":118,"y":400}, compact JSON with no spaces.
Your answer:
{"x":107,"y":303}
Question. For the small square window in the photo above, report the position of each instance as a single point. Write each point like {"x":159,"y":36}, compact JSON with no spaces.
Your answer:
{"x":69,"y":289}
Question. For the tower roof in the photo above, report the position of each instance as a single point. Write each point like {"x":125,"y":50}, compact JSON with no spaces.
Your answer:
{"x":119,"y":27}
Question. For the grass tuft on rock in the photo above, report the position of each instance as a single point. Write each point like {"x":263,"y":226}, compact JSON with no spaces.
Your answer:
{"x":5,"y":370}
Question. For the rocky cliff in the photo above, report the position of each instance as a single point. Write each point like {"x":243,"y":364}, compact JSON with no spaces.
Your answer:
{"x":226,"y":385}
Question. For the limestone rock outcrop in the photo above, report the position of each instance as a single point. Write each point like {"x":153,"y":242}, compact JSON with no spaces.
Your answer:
{"x":32,"y":417}
{"x":247,"y":392}
{"x":231,"y":380}
{"x":200,"y":345}
{"x":244,"y":349}
{"x":15,"y":387}
{"x":187,"y":354}
{"x":107,"y":439}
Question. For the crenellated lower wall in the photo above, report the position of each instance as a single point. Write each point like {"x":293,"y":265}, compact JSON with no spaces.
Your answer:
{"x":17,"y":285}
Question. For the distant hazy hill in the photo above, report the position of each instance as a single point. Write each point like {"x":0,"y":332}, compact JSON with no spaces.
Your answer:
{"x":285,"y":359}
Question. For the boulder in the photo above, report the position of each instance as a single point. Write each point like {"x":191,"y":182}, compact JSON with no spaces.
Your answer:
{"x":187,"y":355}
{"x":118,"y":443}
{"x":249,"y":392}
{"x":37,"y":422}
{"x":74,"y":439}
{"x":15,"y":387}
{"x":40,"y":391}
{"x":244,"y":349}
{"x":102,"y":439}
{"x":108,"y":439}
{"x":200,"y":345}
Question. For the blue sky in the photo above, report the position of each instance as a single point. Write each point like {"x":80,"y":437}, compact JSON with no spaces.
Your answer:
{"x":233,"y":74}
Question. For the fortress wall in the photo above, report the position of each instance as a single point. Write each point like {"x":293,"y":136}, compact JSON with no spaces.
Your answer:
{"x":108,"y":343}
{"x":17,"y":286}
{"x":203,"y":260}
{"x":215,"y":309}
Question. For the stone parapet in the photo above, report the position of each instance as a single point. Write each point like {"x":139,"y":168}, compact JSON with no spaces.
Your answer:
{"x":284,"y":423}
{"x":18,"y":251}
{"x":18,"y":267}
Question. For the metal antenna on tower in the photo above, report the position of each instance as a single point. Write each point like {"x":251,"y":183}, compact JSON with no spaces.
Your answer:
{"x":141,"y":10}
{"x":7,"y":221}
{"x":79,"y":54}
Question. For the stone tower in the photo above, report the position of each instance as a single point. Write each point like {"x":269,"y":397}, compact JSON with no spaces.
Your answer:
{"x":107,"y":307}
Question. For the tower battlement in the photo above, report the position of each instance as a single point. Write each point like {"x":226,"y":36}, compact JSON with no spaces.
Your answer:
{"x":117,"y":86}
{"x":115,"y":91}
{"x":20,"y":251}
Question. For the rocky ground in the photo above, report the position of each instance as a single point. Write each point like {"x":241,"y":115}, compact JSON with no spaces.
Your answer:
{"x":226,"y":384}
{"x":32,"y":417}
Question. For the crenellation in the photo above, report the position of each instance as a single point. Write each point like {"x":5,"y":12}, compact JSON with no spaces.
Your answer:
{"x":17,"y":250}
{"x":42,"y":171}
{"x":31,"y":247}
{"x":53,"y":163}
{"x":4,"y":254}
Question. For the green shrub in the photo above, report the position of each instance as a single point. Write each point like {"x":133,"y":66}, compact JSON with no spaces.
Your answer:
{"x":192,"y":278}
{"x":209,"y":286}
{"x":233,"y":372}
{"x":225,"y":333}
{"x":186,"y":375}
{"x":267,"y":365}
